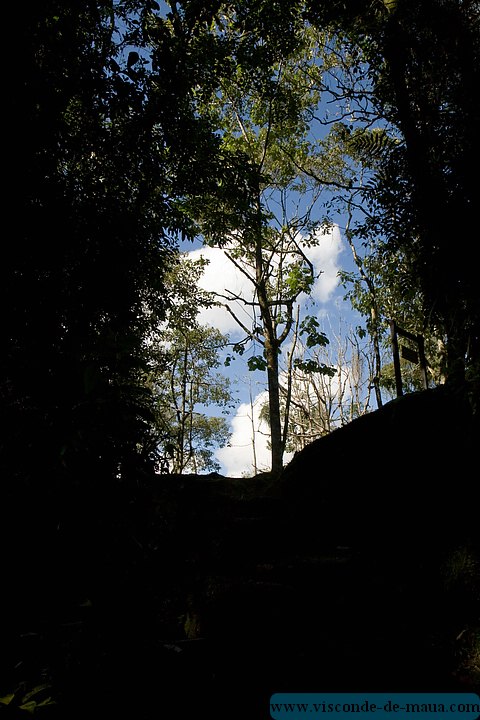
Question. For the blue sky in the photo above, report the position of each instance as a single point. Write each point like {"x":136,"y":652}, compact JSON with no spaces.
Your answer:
{"x":326,"y":303}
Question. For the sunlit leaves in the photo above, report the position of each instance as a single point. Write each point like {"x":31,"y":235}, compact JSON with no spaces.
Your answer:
{"x":299,"y":279}
{"x":313,"y":366}
{"x":314,"y":337}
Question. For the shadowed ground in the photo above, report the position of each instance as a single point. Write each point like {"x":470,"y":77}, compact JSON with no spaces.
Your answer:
{"x":357,"y":571}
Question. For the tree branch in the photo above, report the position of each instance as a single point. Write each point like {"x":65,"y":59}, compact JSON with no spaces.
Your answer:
{"x":250,"y":334}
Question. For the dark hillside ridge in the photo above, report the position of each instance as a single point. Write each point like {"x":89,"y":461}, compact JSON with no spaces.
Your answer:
{"x":405,"y":472}
{"x":394,"y":493}
{"x":358,"y":570}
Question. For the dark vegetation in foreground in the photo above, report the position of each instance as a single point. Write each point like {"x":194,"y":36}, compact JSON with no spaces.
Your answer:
{"x":357,"y":571}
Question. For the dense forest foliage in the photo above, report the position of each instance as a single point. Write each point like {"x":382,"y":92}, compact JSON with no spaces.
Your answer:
{"x":134,"y":126}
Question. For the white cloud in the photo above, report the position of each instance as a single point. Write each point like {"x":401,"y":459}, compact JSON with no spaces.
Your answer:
{"x":221,"y":276}
{"x":325,"y":258}
{"x":243,"y":452}
{"x":239,"y":457}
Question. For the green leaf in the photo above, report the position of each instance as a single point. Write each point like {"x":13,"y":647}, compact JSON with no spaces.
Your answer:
{"x":312,"y":366}
{"x":29,"y":706}
{"x":257,"y":362}
{"x":239,"y":348}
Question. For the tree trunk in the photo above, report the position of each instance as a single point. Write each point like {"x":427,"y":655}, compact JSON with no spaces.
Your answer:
{"x":252,"y":418}
{"x":378,"y":357}
{"x":271,"y":356}
{"x":276,"y":440}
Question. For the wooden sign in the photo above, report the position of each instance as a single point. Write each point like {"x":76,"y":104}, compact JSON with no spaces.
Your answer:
{"x":409,"y":354}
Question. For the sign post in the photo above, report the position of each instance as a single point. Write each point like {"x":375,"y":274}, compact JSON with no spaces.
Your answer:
{"x":414,"y":356}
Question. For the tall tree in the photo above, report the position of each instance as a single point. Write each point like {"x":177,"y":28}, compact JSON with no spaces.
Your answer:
{"x":263,"y":114}
{"x":108,"y":146}
{"x":421,"y":63}
{"x":279,"y":273}
{"x":185,"y":385}
{"x":185,"y":389}
{"x":96,"y":194}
